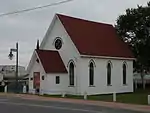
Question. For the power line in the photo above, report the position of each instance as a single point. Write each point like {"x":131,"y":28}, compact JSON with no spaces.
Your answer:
{"x":34,"y":8}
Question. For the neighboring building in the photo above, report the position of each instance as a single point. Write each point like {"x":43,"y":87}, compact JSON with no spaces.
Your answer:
{"x":78,"y":56}
{"x":8,"y":77}
{"x":1,"y":77}
{"x":9,"y":71}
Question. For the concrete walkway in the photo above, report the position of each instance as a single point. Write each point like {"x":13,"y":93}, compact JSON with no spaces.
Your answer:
{"x":141,"y":108}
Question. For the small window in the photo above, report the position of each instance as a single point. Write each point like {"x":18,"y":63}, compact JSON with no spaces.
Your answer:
{"x":124,"y":74}
{"x":58,"y":43}
{"x":108,"y":74}
{"x":57,"y":79}
{"x":43,"y":77}
{"x":37,"y":60}
{"x":71,"y":74}
{"x":31,"y":78}
{"x":91,"y":74}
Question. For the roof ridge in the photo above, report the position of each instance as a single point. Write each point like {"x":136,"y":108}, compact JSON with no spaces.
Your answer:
{"x":82,"y":19}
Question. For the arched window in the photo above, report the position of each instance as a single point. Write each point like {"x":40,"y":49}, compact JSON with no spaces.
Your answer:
{"x":124,"y":74}
{"x":71,"y":74}
{"x":109,"y":73}
{"x":91,"y":74}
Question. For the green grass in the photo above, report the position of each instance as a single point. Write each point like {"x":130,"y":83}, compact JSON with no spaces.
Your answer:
{"x":57,"y":96}
{"x":106,"y":97}
{"x":138,"y":97}
{"x":74,"y":96}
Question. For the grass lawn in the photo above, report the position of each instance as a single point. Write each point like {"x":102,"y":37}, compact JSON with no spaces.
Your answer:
{"x":138,"y":97}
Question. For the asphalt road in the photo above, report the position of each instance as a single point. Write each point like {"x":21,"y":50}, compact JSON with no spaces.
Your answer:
{"x":18,"y":105}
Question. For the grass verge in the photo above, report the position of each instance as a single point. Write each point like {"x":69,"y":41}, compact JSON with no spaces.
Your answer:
{"x":138,"y":97}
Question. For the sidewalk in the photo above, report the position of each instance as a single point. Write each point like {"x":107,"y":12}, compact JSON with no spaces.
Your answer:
{"x":141,"y":108}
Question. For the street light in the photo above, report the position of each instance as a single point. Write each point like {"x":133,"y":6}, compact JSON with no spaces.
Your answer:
{"x":2,"y":72}
{"x":11,"y":57}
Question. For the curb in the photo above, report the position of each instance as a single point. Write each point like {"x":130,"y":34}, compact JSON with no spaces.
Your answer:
{"x":133,"y":107}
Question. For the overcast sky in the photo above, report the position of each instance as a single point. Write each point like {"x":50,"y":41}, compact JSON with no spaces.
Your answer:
{"x":27,"y":27}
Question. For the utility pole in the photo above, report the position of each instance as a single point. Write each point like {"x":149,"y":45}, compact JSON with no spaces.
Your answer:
{"x":17,"y":58}
{"x":16,"y":67}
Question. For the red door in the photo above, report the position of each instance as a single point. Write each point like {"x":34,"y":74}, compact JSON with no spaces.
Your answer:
{"x":36,"y":81}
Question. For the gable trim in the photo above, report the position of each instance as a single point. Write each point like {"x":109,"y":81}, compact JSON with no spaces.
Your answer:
{"x":105,"y":57}
{"x":40,"y":63}
{"x":31,"y":62}
{"x":68,"y":35}
{"x":48,"y":32}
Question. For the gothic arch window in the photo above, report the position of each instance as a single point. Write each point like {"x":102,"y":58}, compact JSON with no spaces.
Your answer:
{"x":71,"y":74}
{"x":70,"y":62}
{"x":109,"y":66}
{"x":91,"y":73}
{"x":124,"y":74}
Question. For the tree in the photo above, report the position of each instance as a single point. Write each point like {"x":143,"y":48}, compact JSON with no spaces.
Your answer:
{"x":134,"y":29}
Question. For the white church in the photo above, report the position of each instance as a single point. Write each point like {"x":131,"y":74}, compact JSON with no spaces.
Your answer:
{"x":79,"y":56}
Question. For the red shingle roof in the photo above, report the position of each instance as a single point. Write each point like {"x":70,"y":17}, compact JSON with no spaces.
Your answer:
{"x":97,"y":39}
{"x":51,"y":61}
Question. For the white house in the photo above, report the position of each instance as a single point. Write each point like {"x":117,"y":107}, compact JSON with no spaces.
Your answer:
{"x":79,"y":56}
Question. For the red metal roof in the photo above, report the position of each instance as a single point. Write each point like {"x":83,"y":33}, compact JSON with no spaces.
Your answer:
{"x":96,"y":39}
{"x":51,"y":61}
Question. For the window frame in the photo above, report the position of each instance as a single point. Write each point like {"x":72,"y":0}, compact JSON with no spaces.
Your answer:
{"x":124,"y":74}
{"x":91,"y":74}
{"x":57,"y":79}
{"x":71,"y":74}
{"x":55,"y":41}
{"x":43,"y":77}
{"x":109,"y":74}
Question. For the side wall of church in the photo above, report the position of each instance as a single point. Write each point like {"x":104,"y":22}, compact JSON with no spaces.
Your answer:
{"x":100,"y":76}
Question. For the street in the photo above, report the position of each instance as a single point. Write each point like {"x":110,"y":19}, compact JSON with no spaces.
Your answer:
{"x":18,"y":105}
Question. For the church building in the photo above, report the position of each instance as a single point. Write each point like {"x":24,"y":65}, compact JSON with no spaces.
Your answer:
{"x":79,"y":56}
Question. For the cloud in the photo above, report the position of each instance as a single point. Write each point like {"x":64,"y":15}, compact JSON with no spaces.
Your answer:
{"x":27,"y":27}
